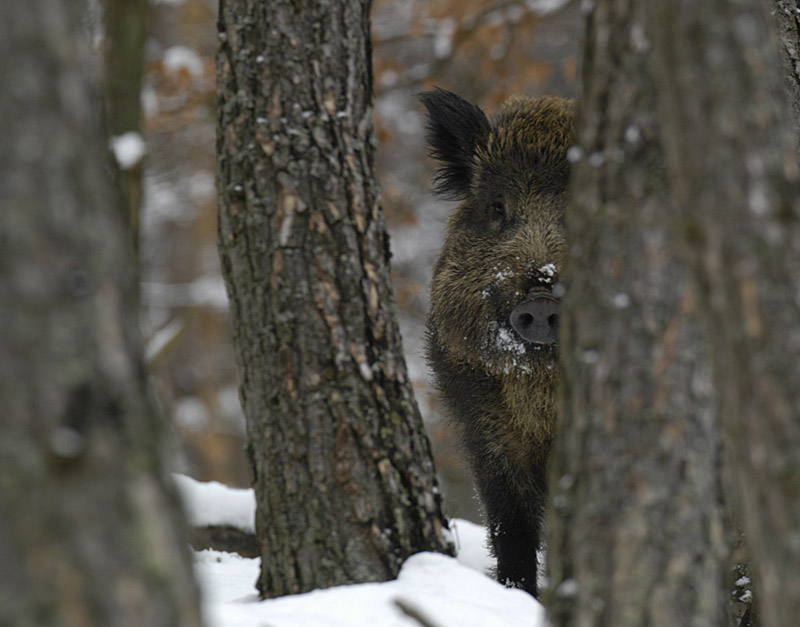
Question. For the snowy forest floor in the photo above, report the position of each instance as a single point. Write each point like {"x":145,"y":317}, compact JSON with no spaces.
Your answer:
{"x":431,"y":589}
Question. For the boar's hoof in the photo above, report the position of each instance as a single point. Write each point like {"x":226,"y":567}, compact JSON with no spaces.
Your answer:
{"x":536,"y":320}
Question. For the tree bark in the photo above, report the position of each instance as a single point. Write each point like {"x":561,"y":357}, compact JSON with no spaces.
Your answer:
{"x":725,"y":171}
{"x":638,"y":532}
{"x":787,"y":20}
{"x":90,"y":530}
{"x":344,"y":480}
{"x":733,"y":170}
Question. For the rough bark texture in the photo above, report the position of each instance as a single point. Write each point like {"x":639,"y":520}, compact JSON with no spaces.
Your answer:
{"x":733,"y":170}
{"x":125,"y":25}
{"x":344,"y":480}
{"x":637,"y":538}
{"x":787,"y":20}
{"x":89,"y":532}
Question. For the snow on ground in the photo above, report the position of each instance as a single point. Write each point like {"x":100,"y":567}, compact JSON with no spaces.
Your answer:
{"x":441,"y":589}
{"x":211,"y":503}
{"x":446,"y":592}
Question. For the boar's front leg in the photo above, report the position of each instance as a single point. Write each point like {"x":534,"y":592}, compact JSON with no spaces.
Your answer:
{"x":515,"y":520}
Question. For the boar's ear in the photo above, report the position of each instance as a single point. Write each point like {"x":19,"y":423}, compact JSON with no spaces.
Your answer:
{"x":455,"y":128}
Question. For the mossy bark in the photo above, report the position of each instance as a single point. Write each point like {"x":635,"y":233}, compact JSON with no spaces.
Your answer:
{"x":344,"y":479}
{"x":90,"y":527}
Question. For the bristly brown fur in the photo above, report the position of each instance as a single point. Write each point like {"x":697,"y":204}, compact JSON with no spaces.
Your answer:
{"x":505,"y":239}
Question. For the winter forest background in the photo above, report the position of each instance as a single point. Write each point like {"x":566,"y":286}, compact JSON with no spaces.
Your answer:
{"x":675,"y":470}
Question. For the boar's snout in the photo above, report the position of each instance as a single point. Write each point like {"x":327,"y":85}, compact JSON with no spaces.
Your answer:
{"x":536,"y":319}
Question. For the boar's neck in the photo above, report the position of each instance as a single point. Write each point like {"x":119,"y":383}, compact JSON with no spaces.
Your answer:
{"x":506,"y":420}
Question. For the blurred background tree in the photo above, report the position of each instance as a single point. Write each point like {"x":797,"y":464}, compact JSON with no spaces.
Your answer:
{"x":125,"y":29}
{"x":91,"y":529}
{"x":485,"y":51}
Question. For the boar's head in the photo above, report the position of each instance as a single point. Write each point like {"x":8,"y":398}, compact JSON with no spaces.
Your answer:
{"x":495,"y":294}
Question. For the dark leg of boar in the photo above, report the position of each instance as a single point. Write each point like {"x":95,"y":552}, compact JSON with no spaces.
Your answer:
{"x":514,"y":529}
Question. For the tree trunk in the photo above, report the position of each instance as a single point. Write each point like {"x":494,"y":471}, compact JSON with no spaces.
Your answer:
{"x":125,"y":24}
{"x":344,"y":480}
{"x":733,"y":169}
{"x":638,"y":532}
{"x":90,"y":531}
{"x":713,"y":197}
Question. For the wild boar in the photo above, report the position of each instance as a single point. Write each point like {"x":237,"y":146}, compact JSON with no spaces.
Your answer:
{"x":495,"y":297}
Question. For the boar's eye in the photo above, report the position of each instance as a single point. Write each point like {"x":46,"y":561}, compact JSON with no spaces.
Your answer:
{"x":498,"y":212}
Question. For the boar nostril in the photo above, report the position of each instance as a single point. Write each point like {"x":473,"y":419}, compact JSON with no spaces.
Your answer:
{"x":536,"y":320}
